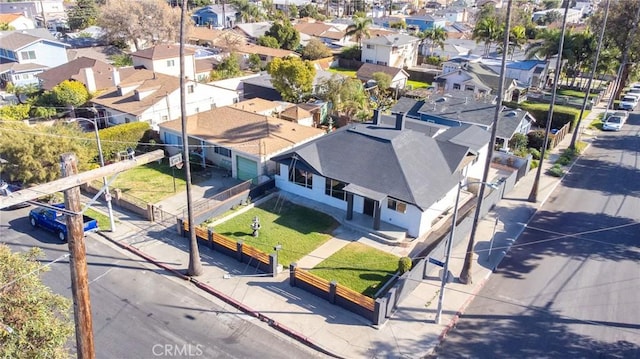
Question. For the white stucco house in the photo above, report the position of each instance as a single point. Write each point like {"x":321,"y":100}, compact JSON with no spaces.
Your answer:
{"x":155,"y":98}
{"x":395,"y":50}
{"x":165,"y":59}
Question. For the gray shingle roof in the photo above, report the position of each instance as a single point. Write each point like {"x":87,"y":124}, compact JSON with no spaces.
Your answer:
{"x":404,"y":164}
{"x":389,"y":40}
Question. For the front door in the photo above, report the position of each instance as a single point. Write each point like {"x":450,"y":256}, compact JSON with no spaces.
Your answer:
{"x":369,"y":206}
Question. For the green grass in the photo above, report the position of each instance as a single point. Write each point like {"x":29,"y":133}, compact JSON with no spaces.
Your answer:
{"x":417,"y":84}
{"x":103,"y":219}
{"x":343,"y":71}
{"x":574,"y":93}
{"x":359,"y":267}
{"x":152,"y":182}
{"x":298,"y":229}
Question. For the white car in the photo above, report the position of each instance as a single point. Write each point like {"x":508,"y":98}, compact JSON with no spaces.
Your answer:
{"x":623,"y":114}
{"x":628,"y":103}
{"x":613,"y":123}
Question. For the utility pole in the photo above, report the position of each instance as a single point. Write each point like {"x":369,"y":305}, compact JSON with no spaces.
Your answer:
{"x":533,"y":196}
{"x":465,"y":274}
{"x":78,"y":263}
{"x":574,"y":137}
{"x":195,"y":266}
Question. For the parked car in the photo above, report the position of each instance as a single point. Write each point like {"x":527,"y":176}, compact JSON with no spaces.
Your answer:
{"x":623,"y":114}
{"x":628,"y":103}
{"x":613,"y":123}
{"x":6,"y":189}
{"x":55,"y":221}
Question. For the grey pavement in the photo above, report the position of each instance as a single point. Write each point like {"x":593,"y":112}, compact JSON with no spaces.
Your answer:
{"x":411,"y":332}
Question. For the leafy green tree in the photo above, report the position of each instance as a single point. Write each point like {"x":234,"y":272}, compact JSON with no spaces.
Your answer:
{"x":70,"y":93}
{"x":255,"y":62}
{"x":14,"y":112}
{"x":293,"y":11}
{"x":309,"y":11}
{"x":383,"y":80}
{"x":399,"y":25}
{"x":268,"y":41}
{"x":36,"y":150}
{"x":346,"y":96}
{"x":36,"y":323}
{"x":23,"y":91}
{"x":269,"y":8}
{"x":249,"y":12}
{"x":6,"y":27}
{"x":551,"y":4}
{"x":118,"y":138}
{"x":229,"y":67}
{"x":84,"y":14}
{"x":547,"y":45}
{"x":488,"y":31}
{"x":315,"y":49}
{"x":292,"y":77}
{"x":359,"y":29}
{"x":121,"y":60}
{"x":351,"y":53}
{"x":433,"y":37}
{"x":288,"y":37}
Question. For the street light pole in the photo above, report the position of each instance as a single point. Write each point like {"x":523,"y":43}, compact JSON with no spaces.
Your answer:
{"x":445,"y":268}
{"x":107,"y":195}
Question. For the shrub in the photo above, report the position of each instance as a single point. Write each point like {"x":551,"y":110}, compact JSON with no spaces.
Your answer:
{"x":534,"y":164}
{"x":518,"y":141}
{"x":535,"y":153}
{"x":556,"y":171}
{"x":404,"y":265}
{"x":536,"y":138}
{"x":561,"y":114}
{"x":564,"y":160}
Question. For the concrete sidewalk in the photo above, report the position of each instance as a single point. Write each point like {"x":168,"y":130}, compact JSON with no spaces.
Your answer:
{"x":411,"y":331}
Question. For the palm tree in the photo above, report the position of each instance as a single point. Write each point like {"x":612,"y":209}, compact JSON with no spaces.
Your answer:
{"x":546,"y":46}
{"x":434,"y":37}
{"x":359,"y":29}
{"x":487,"y":30}
{"x":248,"y":11}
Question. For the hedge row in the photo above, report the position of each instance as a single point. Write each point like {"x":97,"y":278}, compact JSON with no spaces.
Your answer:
{"x":561,"y":114}
{"x":118,"y":138}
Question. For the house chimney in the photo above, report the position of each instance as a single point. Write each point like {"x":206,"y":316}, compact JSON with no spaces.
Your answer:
{"x":90,"y":79}
{"x":376,"y":117}
{"x":115,"y":75}
{"x":400,"y":121}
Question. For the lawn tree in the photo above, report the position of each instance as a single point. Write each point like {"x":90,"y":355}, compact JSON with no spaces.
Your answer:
{"x":346,"y":96}
{"x":288,"y":37}
{"x":228,"y":68}
{"x":315,"y":49}
{"x":432,"y":38}
{"x":83,"y":14}
{"x":249,"y":12}
{"x":142,"y":23}
{"x":359,"y":29}
{"x":34,"y":321}
{"x":255,"y":63}
{"x":488,"y":31}
{"x":383,"y":80}
{"x":121,"y":60}
{"x":70,"y":93}
{"x":292,"y":77}
{"x":268,"y":41}
{"x":621,"y":35}
{"x":36,"y":150}
{"x":293,"y":11}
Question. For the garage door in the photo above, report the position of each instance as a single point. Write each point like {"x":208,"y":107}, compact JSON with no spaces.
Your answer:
{"x":247,"y":169}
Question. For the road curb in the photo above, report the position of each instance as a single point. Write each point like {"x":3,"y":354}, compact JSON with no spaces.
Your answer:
{"x":299,"y":337}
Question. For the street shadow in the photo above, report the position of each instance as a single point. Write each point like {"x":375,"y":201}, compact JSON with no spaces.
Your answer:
{"x":583,"y":176}
{"x":605,"y":238}
{"x":548,"y":334}
{"x":609,"y":141}
{"x":333,"y":314}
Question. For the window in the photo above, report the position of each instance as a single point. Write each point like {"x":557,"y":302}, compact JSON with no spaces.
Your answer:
{"x":165,"y":118}
{"x":381,"y":63}
{"x":397,"y":205}
{"x":456,"y":86}
{"x":225,"y":152}
{"x":394,"y":50}
{"x":370,"y":47}
{"x":190,"y":88}
{"x":171,"y":63}
{"x":172,"y":139}
{"x":368,"y":61}
{"x":301,"y":178}
{"x":468,"y":88}
{"x":25,"y":76}
{"x":335,"y":189}
{"x":28,"y":55}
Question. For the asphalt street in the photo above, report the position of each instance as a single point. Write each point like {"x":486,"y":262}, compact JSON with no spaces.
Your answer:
{"x":570,"y":286}
{"x":140,"y":311}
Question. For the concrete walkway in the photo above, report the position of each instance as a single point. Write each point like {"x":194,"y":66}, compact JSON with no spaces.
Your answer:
{"x":410,"y":333}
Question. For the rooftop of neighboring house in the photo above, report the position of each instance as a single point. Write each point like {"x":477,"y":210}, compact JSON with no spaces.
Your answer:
{"x":217,"y":38}
{"x":18,"y":67}
{"x":390,"y":159}
{"x":253,"y":30}
{"x":75,"y":70}
{"x":319,"y":29}
{"x":8,"y":18}
{"x":295,"y":113}
{"x":263,"y":50}
{"x":244,"y":131}
{"x":256,"y":105}
{"x":391,"y":39}
{"x":264,"y":80}
{"x":366,"y":71}
{"x":161,"y":52}
{"x":141,"y":80}
{"x":18,"y":39}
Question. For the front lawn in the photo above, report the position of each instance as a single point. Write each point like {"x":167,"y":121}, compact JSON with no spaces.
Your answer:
{"x":151,"y":183}
{"x":346,"y":72}
{"x":359,"y":267}
{"x":574,"y":93}
{"x":417,"y":84}
{"x":299,"y":230}
{"x":103,"y":219}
